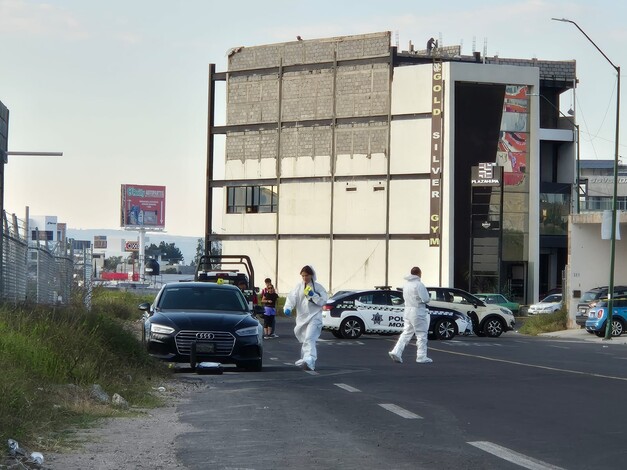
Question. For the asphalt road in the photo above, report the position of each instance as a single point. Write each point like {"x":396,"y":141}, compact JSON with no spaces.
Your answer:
{"x":506,"y":403}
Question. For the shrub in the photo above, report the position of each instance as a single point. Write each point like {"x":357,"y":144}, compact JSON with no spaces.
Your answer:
{"x":534,"y":325}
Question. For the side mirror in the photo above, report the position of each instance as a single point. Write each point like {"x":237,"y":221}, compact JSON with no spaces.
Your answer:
{"x":145,"y":306}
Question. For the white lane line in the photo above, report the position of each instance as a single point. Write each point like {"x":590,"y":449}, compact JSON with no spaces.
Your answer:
{"x":514,"y":457}
{"x":558,"y":347}
{"x":567,"y":371}
{"x":402,"y":412}
{"x":348,"y":388}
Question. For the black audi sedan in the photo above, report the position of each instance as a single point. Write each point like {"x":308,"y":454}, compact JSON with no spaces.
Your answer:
{"x":194,"y":322}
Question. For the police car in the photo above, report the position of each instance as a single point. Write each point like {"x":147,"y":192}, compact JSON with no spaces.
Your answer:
{"x":380,"y":311}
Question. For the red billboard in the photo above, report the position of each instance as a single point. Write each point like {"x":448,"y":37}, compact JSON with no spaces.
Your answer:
{"x":143,"y":206}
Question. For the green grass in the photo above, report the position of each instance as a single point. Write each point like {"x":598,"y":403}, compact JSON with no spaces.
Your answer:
{"x":50,"y":357}
{"x":534,"y":325}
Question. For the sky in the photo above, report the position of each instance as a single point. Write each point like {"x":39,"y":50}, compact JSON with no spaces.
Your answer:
{"x":120,"y":86}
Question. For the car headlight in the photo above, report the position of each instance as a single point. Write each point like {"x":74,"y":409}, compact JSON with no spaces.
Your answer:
{"x":249,"y":331}
{"x":506,"y":311}
{"x":160,"y":329}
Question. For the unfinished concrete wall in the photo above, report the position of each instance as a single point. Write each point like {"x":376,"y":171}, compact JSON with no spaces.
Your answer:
{"x":320,"y":91}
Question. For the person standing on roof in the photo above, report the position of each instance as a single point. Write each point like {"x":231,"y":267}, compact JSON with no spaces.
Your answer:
{"x":307,"y":297}
{"x":416,"y":318}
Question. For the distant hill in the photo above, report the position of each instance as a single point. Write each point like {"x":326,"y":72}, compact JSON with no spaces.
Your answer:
{"x":117,"y":238}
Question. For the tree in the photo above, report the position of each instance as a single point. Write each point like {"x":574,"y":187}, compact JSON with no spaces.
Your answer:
{"x":216,"y":249}
{"x":168,"y":252}
{"x":111,"y":263}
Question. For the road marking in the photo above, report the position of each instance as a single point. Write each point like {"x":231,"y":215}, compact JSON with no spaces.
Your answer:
{"x":513,"y":457}
{"x":348,"y":388}
{"x":338,"y":342}
{"x":568,"y":371}
{"x":558,"y":347}
{"x":402,"y":412}
{"x":312,"y":372}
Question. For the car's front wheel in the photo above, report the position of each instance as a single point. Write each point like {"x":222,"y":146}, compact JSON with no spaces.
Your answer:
{"x":445,"y":329}
{"x":337,"y":334}
{"x":493,"y":327}
{"x":351,"y":328}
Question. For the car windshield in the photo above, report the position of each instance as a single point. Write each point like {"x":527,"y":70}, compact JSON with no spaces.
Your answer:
{"x":202,"y":298}
{"x":492,"y":299}
{"x":552,"y":298}
{"x":589,"y":296}
{"x":341,"y":293}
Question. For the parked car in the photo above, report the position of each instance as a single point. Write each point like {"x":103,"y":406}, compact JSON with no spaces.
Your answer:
{"x":555,"y":290}
{"x":589,"y":299}
{"x":499,"y":299}
{"x":194,"y":322}
{"x":487,"y":320}
{"x":549,"y":304}
{"x":380,"y":311}
{"x":597,"y":317}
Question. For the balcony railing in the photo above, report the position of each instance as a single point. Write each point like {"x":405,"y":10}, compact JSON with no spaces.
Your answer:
{"x":604,"y":204}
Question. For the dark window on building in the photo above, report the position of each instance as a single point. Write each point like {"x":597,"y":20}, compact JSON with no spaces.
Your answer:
{"x":554,"y":209}
{"x":43,"y":235}
{"x":251,"y":199}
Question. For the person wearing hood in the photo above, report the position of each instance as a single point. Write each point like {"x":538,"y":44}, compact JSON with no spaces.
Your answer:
{"x":416,"y":318}
{"x":307,"y":297}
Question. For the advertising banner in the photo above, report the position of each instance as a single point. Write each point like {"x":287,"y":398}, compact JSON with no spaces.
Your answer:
{"x":143,"y":206}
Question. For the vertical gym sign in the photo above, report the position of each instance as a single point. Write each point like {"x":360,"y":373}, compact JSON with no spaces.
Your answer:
{"x":437,"y":86}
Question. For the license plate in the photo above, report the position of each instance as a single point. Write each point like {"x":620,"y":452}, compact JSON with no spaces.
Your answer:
{"x":205,"y":347}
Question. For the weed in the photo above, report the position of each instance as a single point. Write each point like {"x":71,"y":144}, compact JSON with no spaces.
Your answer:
{"x":534,"y":325}
{"x":51,"y":356}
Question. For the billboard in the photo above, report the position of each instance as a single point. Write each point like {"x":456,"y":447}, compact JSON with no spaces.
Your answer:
{"x":143,"y":206}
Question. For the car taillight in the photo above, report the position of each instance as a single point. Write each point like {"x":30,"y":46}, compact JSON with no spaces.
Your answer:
{"x":327,"y":307}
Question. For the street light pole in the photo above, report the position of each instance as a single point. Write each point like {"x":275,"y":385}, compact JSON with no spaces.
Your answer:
{"x":610,"y":303}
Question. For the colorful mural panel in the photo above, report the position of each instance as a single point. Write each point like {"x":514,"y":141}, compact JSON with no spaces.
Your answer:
{"x":511,"y":151}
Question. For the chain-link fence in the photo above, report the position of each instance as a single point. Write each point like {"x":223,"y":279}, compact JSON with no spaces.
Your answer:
{"x":14,"y":252}
{"x":40,"y":271}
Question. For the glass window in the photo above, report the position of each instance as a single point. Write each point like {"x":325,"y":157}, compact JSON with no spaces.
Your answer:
{"x":554,"y":214}
{"x":251,"y":199}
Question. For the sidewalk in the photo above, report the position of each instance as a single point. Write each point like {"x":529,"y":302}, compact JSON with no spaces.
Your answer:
{"x":581,"y":334}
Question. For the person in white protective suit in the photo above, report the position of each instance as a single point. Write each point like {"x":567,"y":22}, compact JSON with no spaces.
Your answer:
{"x":416,"y":318}
{"x":307,"y":297}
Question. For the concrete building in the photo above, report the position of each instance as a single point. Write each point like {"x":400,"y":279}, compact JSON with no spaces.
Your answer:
{"x":589,"y":234}
{"x":364,"y":161}
{"x":46,"y":228}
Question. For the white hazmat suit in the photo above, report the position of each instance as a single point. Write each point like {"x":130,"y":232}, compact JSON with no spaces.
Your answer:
{"x":308,"y":319}
{"x":416,"y":319}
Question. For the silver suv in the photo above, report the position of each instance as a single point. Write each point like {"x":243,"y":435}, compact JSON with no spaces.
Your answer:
{"x":591,"y":297}
{"x":487,"y":320}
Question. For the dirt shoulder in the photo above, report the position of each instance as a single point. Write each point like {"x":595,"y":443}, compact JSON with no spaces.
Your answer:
{"x":143,"y":442}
